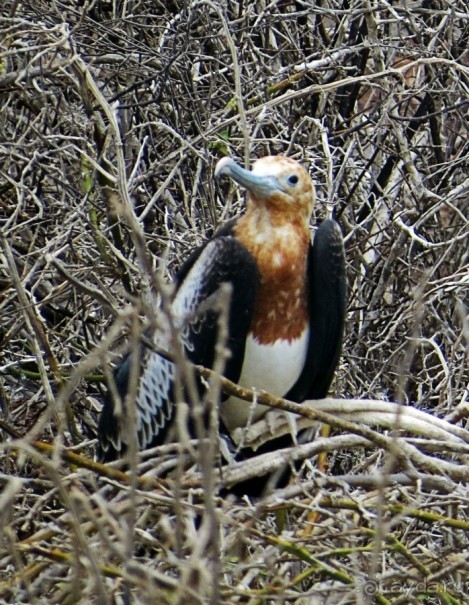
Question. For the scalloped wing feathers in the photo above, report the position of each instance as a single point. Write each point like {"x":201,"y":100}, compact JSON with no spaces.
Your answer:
{"x":195,"y":313}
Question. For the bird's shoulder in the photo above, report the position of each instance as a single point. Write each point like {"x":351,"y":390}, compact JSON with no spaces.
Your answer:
{"x":218,"y":259}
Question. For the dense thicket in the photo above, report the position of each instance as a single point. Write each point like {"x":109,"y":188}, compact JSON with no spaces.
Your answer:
{"x":112,"y":117}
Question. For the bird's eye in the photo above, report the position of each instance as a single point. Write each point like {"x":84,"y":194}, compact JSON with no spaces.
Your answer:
{"x":293,"y":179}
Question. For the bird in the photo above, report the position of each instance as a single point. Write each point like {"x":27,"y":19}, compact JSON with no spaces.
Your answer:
{"x":284,"y":316}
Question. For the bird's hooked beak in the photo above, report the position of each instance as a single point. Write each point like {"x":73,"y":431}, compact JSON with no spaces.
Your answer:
{"x":259,"y":186}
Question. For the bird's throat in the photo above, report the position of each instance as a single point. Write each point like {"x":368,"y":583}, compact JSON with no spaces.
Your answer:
{"x":280,"y":251}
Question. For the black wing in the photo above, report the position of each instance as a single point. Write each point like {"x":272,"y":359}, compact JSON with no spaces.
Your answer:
{"x":222,"y":260}
{"x":327,"y":293}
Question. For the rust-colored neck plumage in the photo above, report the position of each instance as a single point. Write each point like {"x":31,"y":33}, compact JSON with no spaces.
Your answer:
{"x":279,"y":242}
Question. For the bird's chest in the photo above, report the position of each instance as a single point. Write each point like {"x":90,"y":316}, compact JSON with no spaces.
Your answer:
{"x":281,"y":309}
{"x":277,"y":342}
{"x":271,"y":367}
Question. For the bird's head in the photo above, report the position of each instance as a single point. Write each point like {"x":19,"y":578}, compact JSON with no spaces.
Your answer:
{"x":277,"y":183}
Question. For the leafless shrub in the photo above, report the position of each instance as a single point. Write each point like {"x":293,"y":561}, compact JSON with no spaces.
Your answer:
{"x":112,"y":117}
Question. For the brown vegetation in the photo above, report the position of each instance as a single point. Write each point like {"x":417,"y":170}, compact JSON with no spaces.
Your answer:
{"x":112,"y":117}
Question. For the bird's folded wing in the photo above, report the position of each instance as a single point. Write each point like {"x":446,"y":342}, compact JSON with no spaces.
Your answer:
{"x":214,"y":301}
{"x":326,"y":304}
